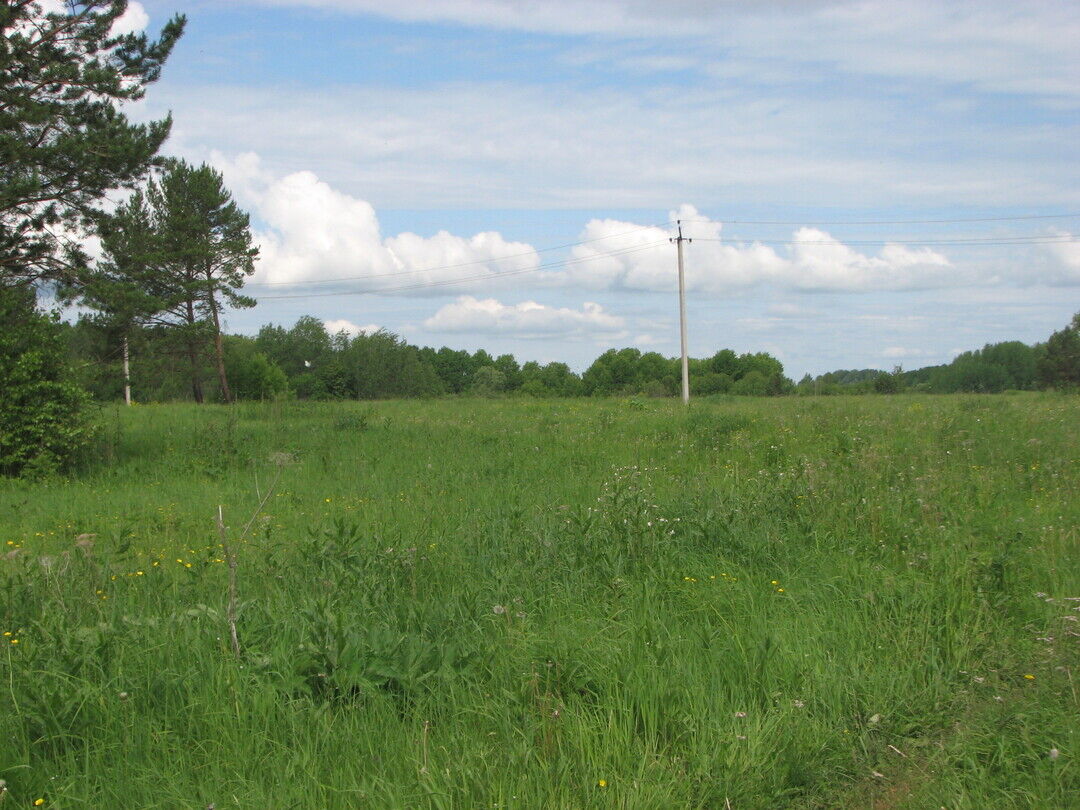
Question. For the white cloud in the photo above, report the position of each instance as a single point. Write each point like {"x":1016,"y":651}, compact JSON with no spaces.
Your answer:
{"x":813,"y":261}
{"x":497,"y":144}
{"x":897,"y":352}
{"x":992,"y":44}
{"x":525,"y":320}
{"x":133,"y":20}
{"x":1067,"y":255}
{"x":314,"y":233}
{"x":350,"y":328}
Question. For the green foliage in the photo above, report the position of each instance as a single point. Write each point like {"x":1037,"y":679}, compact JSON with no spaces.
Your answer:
{"x":628,"y":371}
{"x":176,"y":255}
{"x":44,"y":419}
{"x":64,"y":141}
{"x":488,"y":381}
{"x":252,"y":374}
{"x":1059,"y":365}
{"x":889,"y":383}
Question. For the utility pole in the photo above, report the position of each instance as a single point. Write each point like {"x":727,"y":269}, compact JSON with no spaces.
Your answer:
{"x":678,"y":240}
{"x":127,"y":372}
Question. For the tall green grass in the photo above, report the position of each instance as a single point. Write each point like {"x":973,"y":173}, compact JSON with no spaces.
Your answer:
{"x":768,"y":603}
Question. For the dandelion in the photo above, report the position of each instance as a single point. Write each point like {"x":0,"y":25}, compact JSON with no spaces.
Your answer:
{"x":774,"y":582}
{"x":1029,"y":677}
{"x":498,"y":609}
{"x":38,"y":802}
{"x":14,"y":641}
{"x":779,"y":590}
{"x":602,"y":783}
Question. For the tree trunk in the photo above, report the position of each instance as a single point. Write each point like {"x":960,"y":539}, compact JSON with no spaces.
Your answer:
{"x":226,"y":394}
{"x":193,"y":356}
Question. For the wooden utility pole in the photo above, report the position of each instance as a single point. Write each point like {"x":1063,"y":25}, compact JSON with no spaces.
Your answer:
{"x":678,"y":240}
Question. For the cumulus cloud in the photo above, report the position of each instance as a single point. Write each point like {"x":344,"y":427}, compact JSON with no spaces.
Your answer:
{"x":313,"y":233}
{"x":1067,"y":255}
{"x":350,"y":328}
{"x":133,"y":20}
{"x":640,"y":258}
{"x":525,"y":320}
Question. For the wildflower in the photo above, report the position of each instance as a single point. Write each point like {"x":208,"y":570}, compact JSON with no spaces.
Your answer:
{"x":779,"y":590}
{"x":602,"y":783}
{"x":14,"y":641}
{"x":1029,"y":677}
{"x":1054,"y":753}
{"x":38,"y":802}
{"x":774,"y":582}
{"x":798,"y":704}
{"x":498,"y":609}
{"x":740,"y":714}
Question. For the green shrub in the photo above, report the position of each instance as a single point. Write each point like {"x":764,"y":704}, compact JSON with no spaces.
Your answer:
{"x":43,"y":414}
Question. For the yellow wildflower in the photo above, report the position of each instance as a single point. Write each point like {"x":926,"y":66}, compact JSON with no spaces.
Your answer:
{"x":602,"y":783}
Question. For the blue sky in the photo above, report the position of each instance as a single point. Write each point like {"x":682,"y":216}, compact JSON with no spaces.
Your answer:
{"x":443,"y":145}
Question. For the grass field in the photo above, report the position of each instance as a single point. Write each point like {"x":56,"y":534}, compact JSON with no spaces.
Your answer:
{"x":852,"y":602}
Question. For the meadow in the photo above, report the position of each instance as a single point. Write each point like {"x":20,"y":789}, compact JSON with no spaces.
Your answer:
{"x":462,"y":603}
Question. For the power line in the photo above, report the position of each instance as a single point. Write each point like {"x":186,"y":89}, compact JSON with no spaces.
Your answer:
{"x":982,"y":241}
{"x":461,"y":264}
{"x":463,"y":279}
{"x":892,"y":221}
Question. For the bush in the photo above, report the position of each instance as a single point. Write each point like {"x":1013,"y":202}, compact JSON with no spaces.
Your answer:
{"x":43,"y":414}
{"x":252,"y":375}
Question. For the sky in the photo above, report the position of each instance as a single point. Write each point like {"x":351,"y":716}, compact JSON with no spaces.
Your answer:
{"x":867,"y":184}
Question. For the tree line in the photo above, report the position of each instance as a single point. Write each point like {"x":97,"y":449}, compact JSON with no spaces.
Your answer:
{"x":1007,"y":366}
{"x":306,"y":361}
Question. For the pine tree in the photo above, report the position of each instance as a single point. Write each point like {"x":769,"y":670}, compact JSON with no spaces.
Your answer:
{"x":64,"y":142}
{"x":176,"y":255}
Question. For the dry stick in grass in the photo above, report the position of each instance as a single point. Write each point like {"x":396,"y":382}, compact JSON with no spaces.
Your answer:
{"x":230,"y":555}
{"x":231,"y":607}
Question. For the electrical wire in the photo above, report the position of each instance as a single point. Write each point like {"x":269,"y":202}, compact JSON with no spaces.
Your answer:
{"x":978,"y":241}
{"x":892,"y":221}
